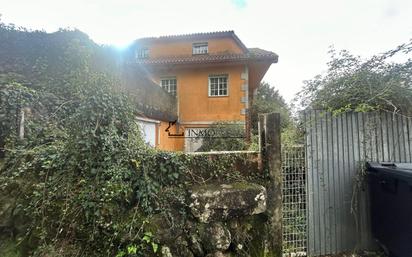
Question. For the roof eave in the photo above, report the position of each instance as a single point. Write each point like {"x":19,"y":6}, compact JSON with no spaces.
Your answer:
{"x":272,"y":59}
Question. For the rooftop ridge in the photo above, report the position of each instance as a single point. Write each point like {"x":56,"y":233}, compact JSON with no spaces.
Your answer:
{"x":200,"y":35}
{"x":190,"y":35}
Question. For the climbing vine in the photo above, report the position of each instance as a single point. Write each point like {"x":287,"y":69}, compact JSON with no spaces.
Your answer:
{"x":81,"y":182}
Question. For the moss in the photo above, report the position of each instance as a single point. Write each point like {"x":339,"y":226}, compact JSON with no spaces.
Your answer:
{"x":245,"y":185}
{"x":9,"y":248}
{"x":217,"y":187}
{"x":251,"y":235}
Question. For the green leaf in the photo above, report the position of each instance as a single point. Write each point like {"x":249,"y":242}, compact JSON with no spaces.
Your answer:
{"x":132,"y":249}
{"x":155,"y":247}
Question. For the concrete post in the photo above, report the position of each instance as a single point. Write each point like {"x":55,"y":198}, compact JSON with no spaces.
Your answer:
{"x":269,"y":130}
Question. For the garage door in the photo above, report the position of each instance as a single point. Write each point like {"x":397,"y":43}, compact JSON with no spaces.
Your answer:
{"x":148,"y":130}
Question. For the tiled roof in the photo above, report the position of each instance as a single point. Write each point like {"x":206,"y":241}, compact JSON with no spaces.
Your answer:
{"x":191,"y":36}
{"x":252,"y":54}
{"x":260,"y":52}
{"x":196,"y":36}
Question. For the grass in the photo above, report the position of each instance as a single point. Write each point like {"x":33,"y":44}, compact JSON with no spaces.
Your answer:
{"x":9,"y":248}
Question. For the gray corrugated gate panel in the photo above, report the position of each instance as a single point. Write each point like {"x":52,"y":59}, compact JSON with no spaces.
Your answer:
{"x":336,"y":147}
{"x":331,"y":181}
{"x":309,"y":163}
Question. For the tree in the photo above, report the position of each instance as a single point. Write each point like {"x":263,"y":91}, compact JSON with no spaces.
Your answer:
{"x":269,"y":100}
{"x":229,"y":136}
{"x":354,"y":84}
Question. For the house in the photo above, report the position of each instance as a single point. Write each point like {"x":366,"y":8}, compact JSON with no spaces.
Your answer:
{"x":211,"y":76}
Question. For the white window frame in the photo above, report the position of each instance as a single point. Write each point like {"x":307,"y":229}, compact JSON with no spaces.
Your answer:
{"x":142,"y":53}
{"x":168,"y":79}
{"x":218,"y":85}
{"x":200,"y":48}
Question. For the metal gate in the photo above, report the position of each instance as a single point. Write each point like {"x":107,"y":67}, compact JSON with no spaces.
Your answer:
{"x":337,"y":148}
{"x":294,"y":201}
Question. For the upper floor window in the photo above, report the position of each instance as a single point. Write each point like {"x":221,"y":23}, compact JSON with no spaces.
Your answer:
{"x":169,"y":84}
{"x":218,"y":85}
{"x":142,"y":53}
{"x":200,"y":48}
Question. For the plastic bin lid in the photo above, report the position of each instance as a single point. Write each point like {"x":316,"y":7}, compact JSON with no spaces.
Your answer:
{"x":399,"y":170}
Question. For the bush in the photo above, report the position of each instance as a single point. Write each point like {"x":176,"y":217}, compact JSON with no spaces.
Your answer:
{"x":224,"y":136}
{"x":74,"y":179}
{"x":352,"y":83}
{"x":82,"y":182}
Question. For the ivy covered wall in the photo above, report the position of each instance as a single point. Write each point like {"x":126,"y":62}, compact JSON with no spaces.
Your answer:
{"x":80,"y":181}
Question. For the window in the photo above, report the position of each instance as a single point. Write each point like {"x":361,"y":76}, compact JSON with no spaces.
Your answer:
{"x":200,"y":48}
{"x":142,"y":53}
{"x":169,"y":84}
{"x":218,"y":85}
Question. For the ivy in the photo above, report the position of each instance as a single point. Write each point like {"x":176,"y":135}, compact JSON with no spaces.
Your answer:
{"x":82,"y":182}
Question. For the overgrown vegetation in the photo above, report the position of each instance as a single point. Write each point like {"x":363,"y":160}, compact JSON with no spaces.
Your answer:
{"x":355,"y":84}
{"x":268,"y":100}
{"x":229,"y":136}
{"x":80,"y":181}
{"x":224,"y":136}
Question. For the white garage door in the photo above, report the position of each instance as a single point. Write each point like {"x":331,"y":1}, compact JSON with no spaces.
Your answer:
{"x":148,"y":130}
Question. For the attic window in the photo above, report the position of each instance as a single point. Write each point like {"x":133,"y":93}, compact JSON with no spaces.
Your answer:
{"x":200,"y":48}
{"x":142,"y":53}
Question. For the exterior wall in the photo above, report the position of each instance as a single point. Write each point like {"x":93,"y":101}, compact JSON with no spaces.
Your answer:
{"x":194,"y":102}
{"x":195,"y":108}
{"x":167,"y":48}
{"x":169,"y":143}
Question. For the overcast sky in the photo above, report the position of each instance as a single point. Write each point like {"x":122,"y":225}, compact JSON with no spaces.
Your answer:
{"x":299,"y":31}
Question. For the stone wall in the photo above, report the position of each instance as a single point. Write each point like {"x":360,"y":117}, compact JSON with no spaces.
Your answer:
{"x":236,"y":216}
{"x":222,"y":217}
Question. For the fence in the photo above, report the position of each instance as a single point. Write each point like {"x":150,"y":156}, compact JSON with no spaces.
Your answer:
{"x":336,"y":148}
{"x":294,"y":201}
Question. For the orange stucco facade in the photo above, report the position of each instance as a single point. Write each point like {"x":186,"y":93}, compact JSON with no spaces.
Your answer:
{"x":167,"y":48}
{"x":172,"y":57}
{"x":194,"y":102}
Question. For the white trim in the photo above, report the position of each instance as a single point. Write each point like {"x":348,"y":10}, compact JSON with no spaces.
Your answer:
{"x":200,"y":45}
{"x":218,"y":76}
{"x":168,"y":78}
{"x":142,"y":53}
{"x":147,"y":120}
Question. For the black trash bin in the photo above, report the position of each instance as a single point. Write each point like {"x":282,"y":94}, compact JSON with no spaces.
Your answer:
{"x":390,"y":186}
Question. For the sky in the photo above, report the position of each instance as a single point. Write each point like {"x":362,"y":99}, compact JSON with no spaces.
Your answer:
{"x":299,"y":31}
